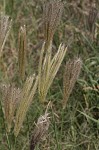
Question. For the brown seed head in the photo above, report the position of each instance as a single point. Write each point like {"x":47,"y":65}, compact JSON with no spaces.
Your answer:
{"x":51,"y":17}
{"x":71,"y":74}
{"x":11,"y":97}
{"x":40,"y":130}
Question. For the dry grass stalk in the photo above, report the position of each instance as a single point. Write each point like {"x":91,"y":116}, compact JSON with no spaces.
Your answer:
{"x":51,"y":18}
{"x":48,"y":69}
{"x":11,"y":97}
{"x":91,"y":20}
{"x":5,"y":25}
{"x":93,"y":14}
{"x":22,"y":52}
{"x":72,"y":71}
{"x":28,"y":92}
{"x":40,"y":130}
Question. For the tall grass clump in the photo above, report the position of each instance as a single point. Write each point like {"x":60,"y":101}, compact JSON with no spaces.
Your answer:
{"x":15,"y":104}
{"x":48,"y":66}
{"x":23,"y":97}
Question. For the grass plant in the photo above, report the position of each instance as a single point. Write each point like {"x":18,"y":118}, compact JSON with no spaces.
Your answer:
{"x":31,"y":33}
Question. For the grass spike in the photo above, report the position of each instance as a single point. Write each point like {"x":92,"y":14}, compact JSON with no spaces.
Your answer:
{"x":52,"y":13}
{"x":5,"y":26}
{"x":11,"y":98}
{"x":28,"y":92}
{"x":48,"y":70}
{"x":40,"y":130}
{"x":22,"y":52}
{"x":71,"y":74}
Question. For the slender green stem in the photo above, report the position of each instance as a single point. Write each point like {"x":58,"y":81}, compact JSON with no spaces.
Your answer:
{"x":62,"y":116}
{"x":8,"y":142}
{"x":14,"y":143}
{"x":7,"y":137}
{"x":55,"y":129}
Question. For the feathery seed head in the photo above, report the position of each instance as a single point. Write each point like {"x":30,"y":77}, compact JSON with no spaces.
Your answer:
{"x":71,"y":74}
{"x":11,"y":97}
{"x":28,"y":92}
{"x":40,"y":130}
{"x":48,"y":69}
{"x":91,"y":19}
{"x":52,"y":12}
{"x":5,"y":25}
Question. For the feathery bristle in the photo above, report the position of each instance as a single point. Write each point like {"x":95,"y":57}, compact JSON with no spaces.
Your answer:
{"x":92,"y":16}
{"x":48,"y":69}
{"x":72,"y":71}
{"x":51,"y":18}
{"x":5,"y":25}
{"x":40,"y":130}
{"x":28,"y":92}
{"x":11,"y":97}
